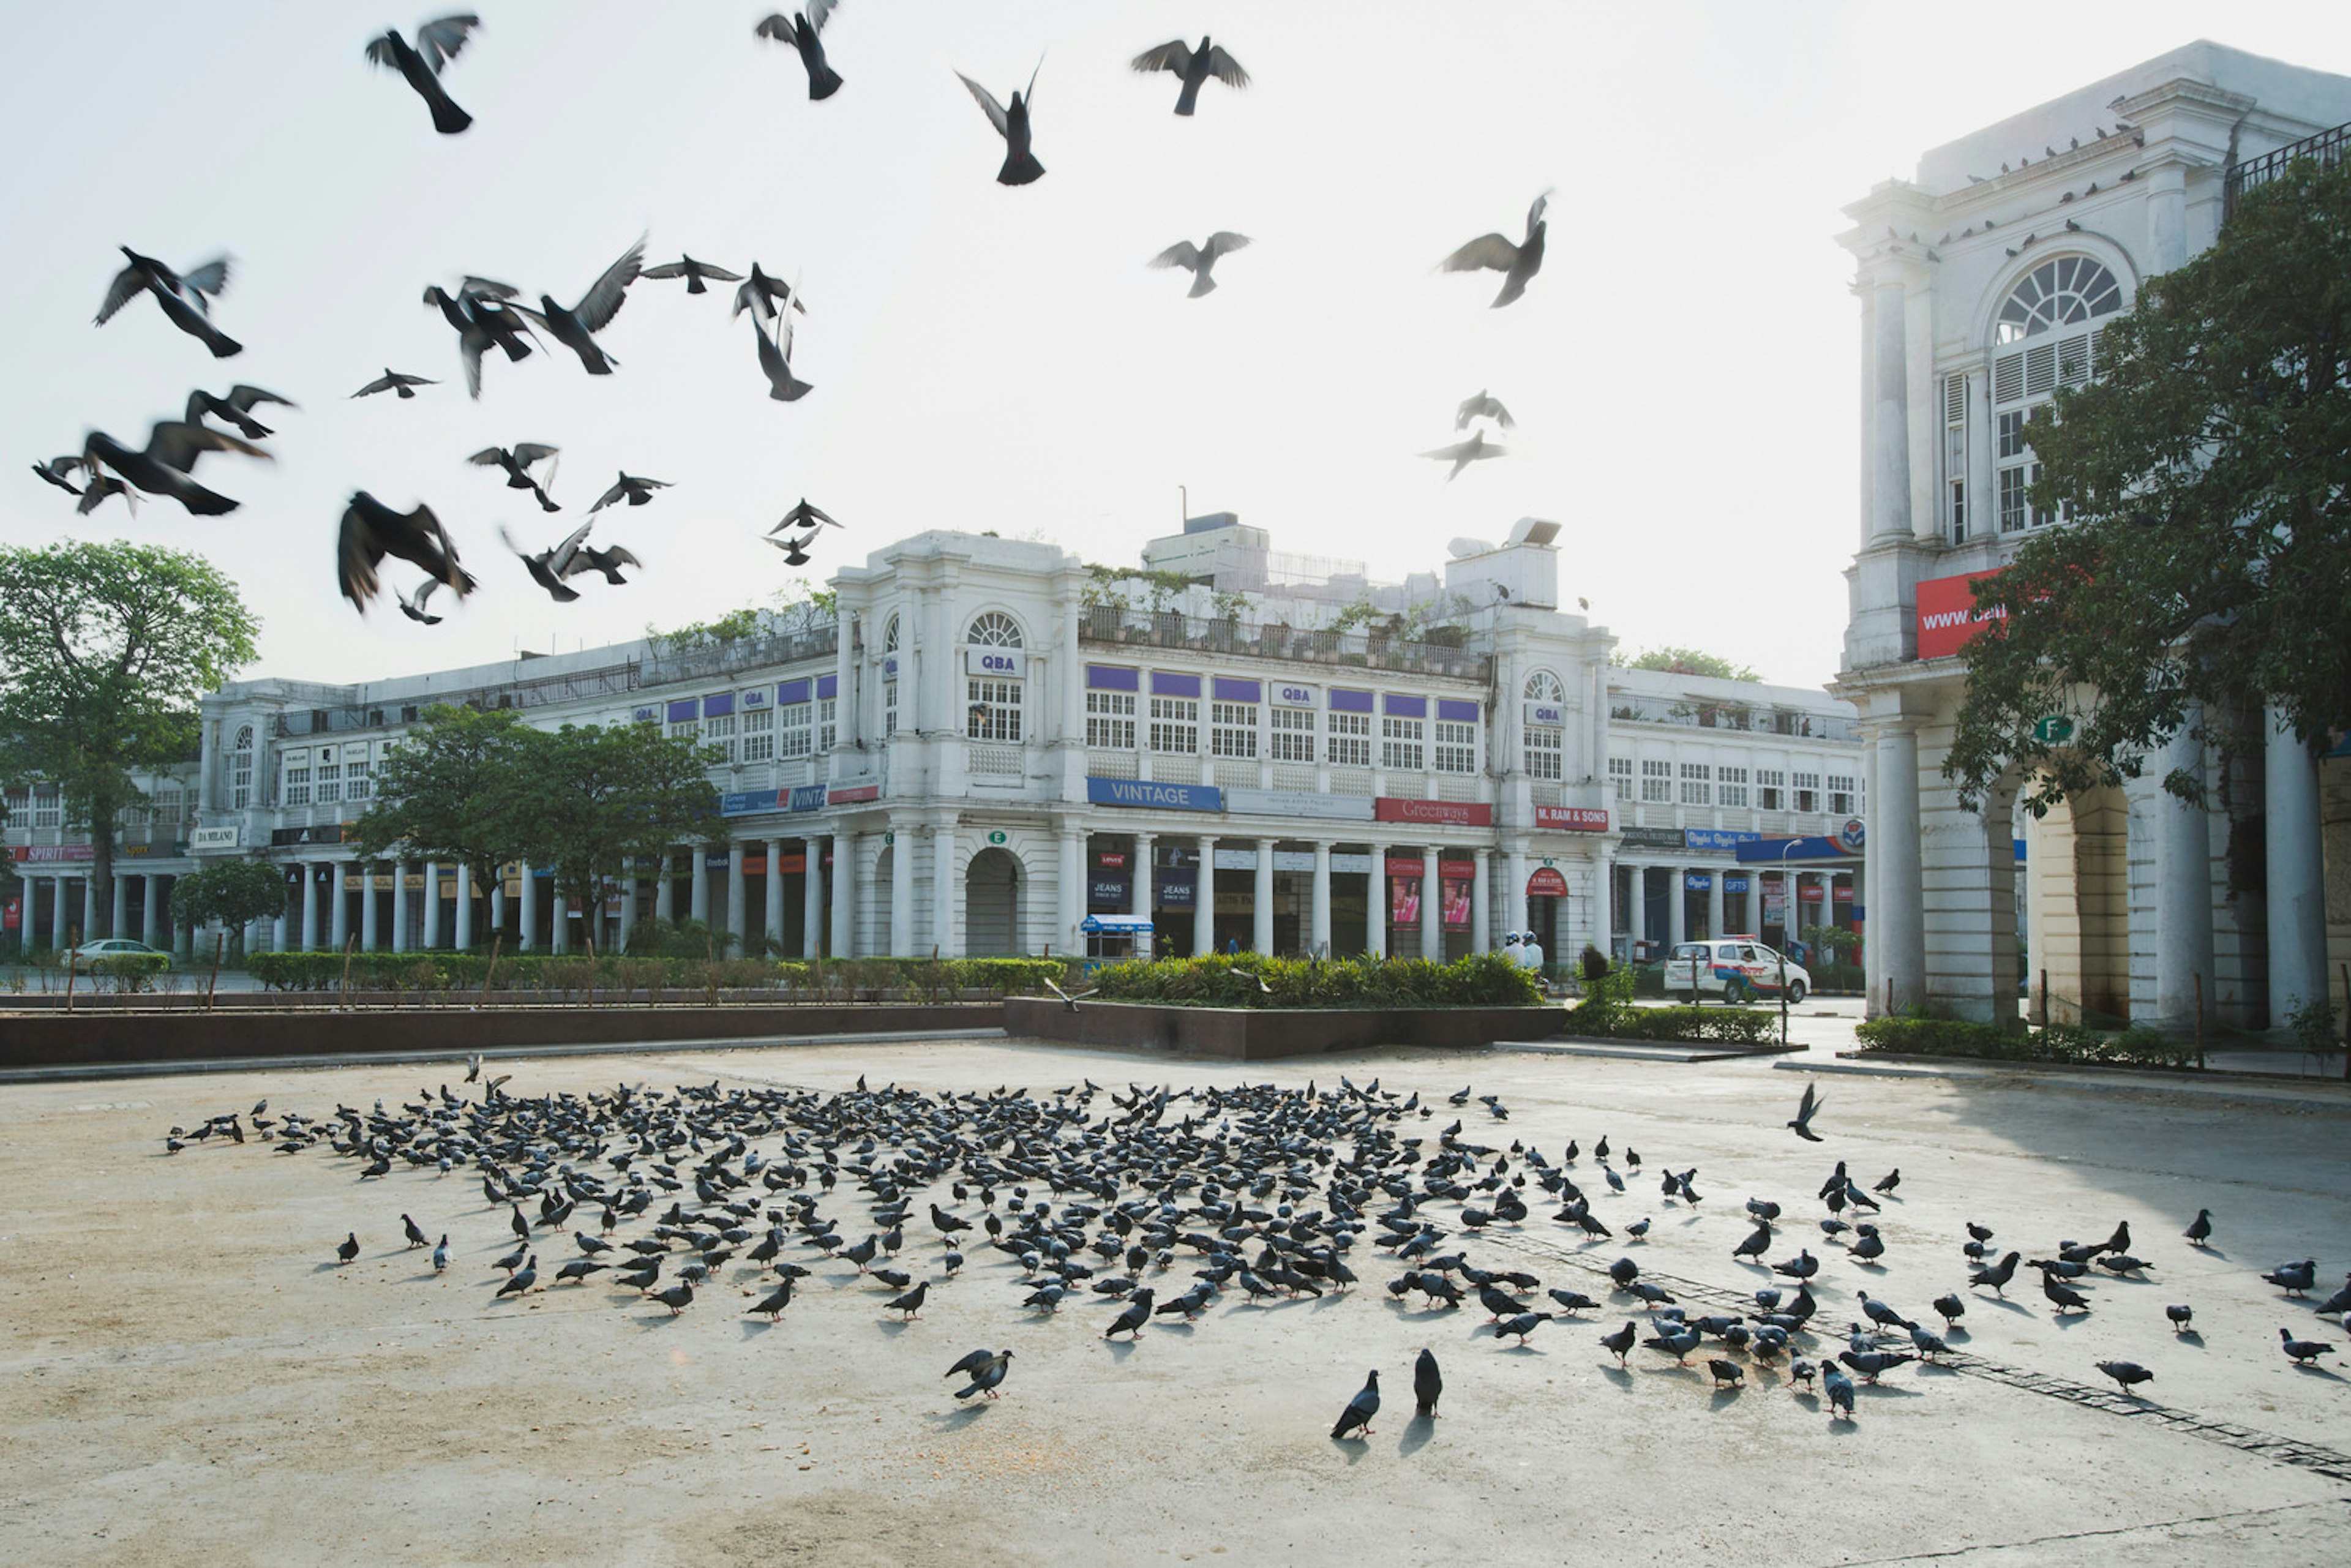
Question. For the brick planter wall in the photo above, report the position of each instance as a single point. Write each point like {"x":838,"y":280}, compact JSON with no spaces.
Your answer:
{"x":1254,"y":1034}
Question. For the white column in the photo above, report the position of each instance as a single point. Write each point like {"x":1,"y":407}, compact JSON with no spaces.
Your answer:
{"x":370,"y":937}
{"x":399,"y":907}
{"x":628,"y":907}
{"x":339,"y":913}
{"x":772,"y":910}
{"x":150,"y":912}
{"x":559,"y":918}
{"x":465,"y":911}
{"x":432,"y":933}
{"x":902,"y":884}
{"x":1714,"y":926}
{"x":1138,"y":893}
{"x":1676,"y":905}
{"x":945,"y":928}
{"x":812,"y":898}
{"x":665,"y":887}
{"x":1204,"y":899}
{"x":698,"y":904}
{"x":310,"y":869}
{"x":2295,"y":862}
{"x":120,"y":915}
{"x":1261,"y":905}
{"x":1515,"y":913}
{"x":1898,"y":929}
{"x":1889,"y":453}
{"x":2184,"y":969}
{"x":1318,"y":933}
{"x":1481,"y":919}
{"x":1375,"y":907}
{"x":1071,"y":897}
{"x":88,"y":907}
{"x":528,"y":892}
{"x":497,"y":904}
{"x":738,"y":913}
{"x":844,"y":893}
{"x":1431,"y":904}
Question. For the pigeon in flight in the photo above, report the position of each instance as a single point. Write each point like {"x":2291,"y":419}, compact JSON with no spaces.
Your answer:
{"x":1020,"y":166}
{"x":183,"y":297}
{"x":371,"y":530}
{"x":55,"y":469}
{"x":163,"y":469}
{"x":393,"y":380}
{"x":1482,"y":407}
{"x":515,"y":464}
{"x":1198,"y":259}
{"x":1518,"y":263}
{"x":1070,"y":1001}
{"x":800,"y":32}
{"x":692,"y":271}
{"x":102,"y":488}
{"x":1462,"y":453}
{"x":550,"y":567}
{"x":775,"y":361}
{"x":795,"y":551}
{"x":1194,"y":66}
{"x":761,"y":293}
{"x":483,"y":320}
{"x":437,"y":43}
{"x":1355,"y":1420}
{"x":628,"y":487}
{"x":609,"y":561}
{"x":236,"y":409}
{"x":1806,"y":1109}
{"x":576,"y":329}
{"x":413,"y":607}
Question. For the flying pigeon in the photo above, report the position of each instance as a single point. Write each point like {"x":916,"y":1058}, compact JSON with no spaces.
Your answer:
{"x":1194,"y":66}
{"x":1200,"y":260}
{"x":1806,"y":1110}
{"x":437,"y":43}
{"x":1518,"y":263}
{"x":1020,"y":166}
{"x":800,"y":32}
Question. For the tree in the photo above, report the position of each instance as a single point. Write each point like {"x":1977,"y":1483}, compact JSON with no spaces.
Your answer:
{"x":1676,"y":661}
{"x":235,"y":892}
{"x":104,"y":651}
{"x":445,"y":792}
{"x":2207,"y":478}
{"x":586,"y":802}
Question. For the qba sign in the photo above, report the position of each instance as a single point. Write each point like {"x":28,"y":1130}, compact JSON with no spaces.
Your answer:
{"x":1284,"y":695}
{"x":1004,"y":663}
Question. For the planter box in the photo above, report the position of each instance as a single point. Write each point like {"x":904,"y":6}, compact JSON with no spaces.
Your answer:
{"x":1258,"y":1034}
{"x":56,"y":1038}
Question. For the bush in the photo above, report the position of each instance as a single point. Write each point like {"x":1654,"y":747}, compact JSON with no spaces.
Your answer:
{"x":1252,"y":980}
{"x":2057,"y":1042}
{"x":1608,"y":1012}
{"x":568,"y":974}
{"x":126,"y":971}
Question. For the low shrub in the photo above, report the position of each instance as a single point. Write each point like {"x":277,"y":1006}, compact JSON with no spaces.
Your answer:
{"x":1252,"y":980}
{"x":126,"y":972}
{"x":568,"y":974}
{"x":1608,"y":1012}
{"x":2056,"y":1042}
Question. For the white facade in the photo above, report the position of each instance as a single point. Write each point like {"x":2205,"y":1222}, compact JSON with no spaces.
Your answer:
{"x":1985,"y":284}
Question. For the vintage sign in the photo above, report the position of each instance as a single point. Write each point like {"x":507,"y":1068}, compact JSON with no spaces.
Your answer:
{"x":201,"y":840}
{"x":1158,"y":796}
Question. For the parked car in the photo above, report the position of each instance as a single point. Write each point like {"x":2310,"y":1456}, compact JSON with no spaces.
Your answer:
{"x":115,"y":948}
{"x":1735,"y":968}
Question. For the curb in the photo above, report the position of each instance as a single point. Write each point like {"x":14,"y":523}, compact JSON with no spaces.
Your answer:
{"x":2213,"y":1084}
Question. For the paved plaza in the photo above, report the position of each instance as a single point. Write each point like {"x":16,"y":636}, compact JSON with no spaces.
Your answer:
{"x":189,"y":1374}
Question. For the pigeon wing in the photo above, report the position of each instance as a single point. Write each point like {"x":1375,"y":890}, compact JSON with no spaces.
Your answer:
{"x":178,"y":443}
{"x":1225,"y":68}
{"x":817,"y":12}
{"x":383,"y":382}
{"x":358,"y":553}
{"x":380,"y":52}
{"x":443,"y":40}
{"x":1183,"y":253}
{"x":664,"y":272}
{"x":603,"y":302}
{"x":1222,"y":241}
{"x":1487,"y":251}
{"x":987,"y":101}
{"x":121,"y":292}
{"x":487,"y":287}
{"x":774,"y":24}
{"x":489,"y":458}
{"x":243,"y":398}
{"x":209,"y":278}
{"x":529,"y":452}
{"x":1174,"y":56}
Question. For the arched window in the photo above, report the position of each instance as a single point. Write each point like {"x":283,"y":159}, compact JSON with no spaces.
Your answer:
{"x":993,"y":695}
{"x":2052,"y":317}
{"x":240,"y":769}
{"x":1546,"y":724}
{"x":890,"y":635}
{"x":890,"y":677}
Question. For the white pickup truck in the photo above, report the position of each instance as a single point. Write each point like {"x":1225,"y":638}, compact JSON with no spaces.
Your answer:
{"x":1734,"y":967}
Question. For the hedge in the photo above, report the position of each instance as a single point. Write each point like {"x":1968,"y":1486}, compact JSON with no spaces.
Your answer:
{"x":567,"y":974}
{"x":1221,"y":980}
{"x":1608,"y":1012}
{"x":1994,"y":1042}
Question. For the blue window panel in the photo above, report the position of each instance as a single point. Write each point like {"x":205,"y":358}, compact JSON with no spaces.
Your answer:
{"x":1167,"y":684}
{"x":1343,"y":701}
{"x":1453,"y":712}
{"x":1112,"y":678}
{"x":1406,"y":707}
{"x":828,"y":687}
{"x":1228,"y":690}
{"x":718,"y":707}
{"x":791,"y":692}
{"x":683,"y":710}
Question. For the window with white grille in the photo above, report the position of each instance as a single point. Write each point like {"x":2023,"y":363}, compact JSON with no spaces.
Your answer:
{"x":1175,"y":725}
{"x":2057,"y":297}
{"x":1698,"y":786}
{"x":720,"y":732}
{"x":240,"y":770}
{"x":994,"y":629}
{"x":758,"y":736}
{"x":1954,"y":456}
{"x":1808,"y":791}
{"x":995,"y":710}
{"x":1232,"y":730}
{"x":1110,"y":721}
{"x":1620,"y":777}
{"x":20,"y":809}
{"x":1842,"y":795}
{"x":1351,"y":740}
{"x":1730,"y":786}
{"x":1543,"y":751}
{"x":1455,"y":748}
{"x":1403,"y":743}
{"x":825,"y":707}
{"x":1290,"y":736}
{"x":688,"y":729}
{"x":1657,"y":782}
{"x":296,"y":791}
{"x":1771,"y":788}
{"x":48,"y":805}
{"x":889,"y":707}
{"x":795,"y":730}
{"x":358,"y":778}
{"x":328,"y":785}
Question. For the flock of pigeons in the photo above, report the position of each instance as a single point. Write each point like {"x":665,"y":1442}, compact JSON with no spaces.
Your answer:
{"x":1158,"y":1203}
{"x":486,"y":316}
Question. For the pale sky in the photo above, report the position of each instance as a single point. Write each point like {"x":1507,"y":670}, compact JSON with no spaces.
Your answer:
{"x":1683,"y":369}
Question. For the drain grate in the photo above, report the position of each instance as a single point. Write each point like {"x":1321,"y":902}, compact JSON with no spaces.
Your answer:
{"x":2312,"y":1457}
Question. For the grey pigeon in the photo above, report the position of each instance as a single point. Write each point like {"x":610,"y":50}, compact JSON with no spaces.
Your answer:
{"x":1356,"y":1419}
{"x":2200,"y":1229}
{"x":987,"y":1374}
{"x":1021,"y":165}
{"x":1518,"y":263}
{"x":2303,"y":1352}
{"x":1194,"y":66}
{"x":2294,"y":1278}
{"x":2127,"y":1375}
{"x":419,"y":64}
{"x":523,"y":1279}
{"x":800,"y":32}
{"x":1131,"y":1321}
{"x":1620,"y":1343}
{"x":1806,"y":1109}
{"x":1839,"y":1389}
{"x":1200,"y":259}
{"x":1427,"y":1384}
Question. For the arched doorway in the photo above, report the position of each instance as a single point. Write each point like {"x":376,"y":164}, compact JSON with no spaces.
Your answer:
{"x":2078,"y":909}
{"x":991,"y":905}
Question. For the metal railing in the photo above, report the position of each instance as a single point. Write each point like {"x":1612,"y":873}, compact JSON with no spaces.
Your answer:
{"x":744,"y":653}
{"x":2327,"y":149}
{"x":1141,"y":629}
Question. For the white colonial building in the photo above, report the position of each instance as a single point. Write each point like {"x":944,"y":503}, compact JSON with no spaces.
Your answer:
{"x":1986,"y":284}
{"x":984,"y":742}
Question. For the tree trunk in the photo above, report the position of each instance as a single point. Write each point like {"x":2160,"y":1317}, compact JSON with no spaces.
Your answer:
{"x":101,"y":874}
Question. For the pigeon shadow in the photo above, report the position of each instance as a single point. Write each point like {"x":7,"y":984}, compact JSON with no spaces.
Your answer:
{"x":1622,"y":1376}
{"x":962,"y":1415}
{"x":1354,"y":1447}
{"x":2068,"y":1320}
{"x":1177,"y":1326}
{"x":661,"y":1319}
{"x":2003,"y":1303}
{"x":2189,"y":1337}
{"x":1954,"y":1332}
{"x":419,"y":1278}
{"x":326,"y":1267}
{"x":893,"y":1327}
{"x":754,"y":1327}
{"x":1886,"y":1391}
{"x":1120,"y":1349}
{"x":1808,"y":1399}
{"x":1725,"y":1396}
{"x":2311,"y":1369}
{"x":1417,"y":1434}
{"x":1940,"y":1367}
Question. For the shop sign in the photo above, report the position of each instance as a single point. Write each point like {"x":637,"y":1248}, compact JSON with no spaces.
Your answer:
{"x":805,"y":798}
{"x":1573,"y":819}
{"x":1004,"y":663}
{"x":1111,"y":858}
{"x":1735,"y":884}
{"x":1810,"y":891}
{"x":1284,"y":695}
{"x":328,"y":833}
{"x":1548,"y":714}
{"x":715,"y":859}
{"x":1447,"y":813}
{"x":1176,"y":887}
{"x":1298,"y":803}
{"x":52,"y":854}
{"x":1718,"y":838}
{"x":1654,"y":839}
{"x":1948,"y":615}
{"x":744,"y":803}
{"x":202,"y":838}
{"x":1852,"y":834}
{"x":852,"y":794}
{"x":1546,"y":882}
{"x":1109,"y":888}
{"x":1158,"y":796}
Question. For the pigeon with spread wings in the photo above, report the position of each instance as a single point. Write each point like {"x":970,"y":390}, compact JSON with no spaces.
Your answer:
{"x":515,"y":464}
{"x":1518,"y":263}
{"x":163,"y":468}
{"x":184,"y":297}
{"x":576,"y":329}
{"x":1021,"y":165}
{"x":371,"y":530}
{"x":802,"y":32}
{"x":1194,"y":66}
{"x":1806,"y":1110}
{"x":1200,"y":260}
{"x":419,"y":64}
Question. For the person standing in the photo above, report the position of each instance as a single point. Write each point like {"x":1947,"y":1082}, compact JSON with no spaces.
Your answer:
{"x":1530,"y":952}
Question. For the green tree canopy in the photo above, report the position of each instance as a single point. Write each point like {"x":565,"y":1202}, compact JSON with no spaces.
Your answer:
{"x":2208,"y":558}
{"x":1689,"y":662}
{"x":104,"y":651}
{"x":585,"y":801}
{"x":441,"y":793}
{"x":235,"y":892}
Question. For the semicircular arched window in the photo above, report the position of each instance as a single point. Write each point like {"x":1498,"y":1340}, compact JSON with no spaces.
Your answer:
{"x":1542,"y":686}
{"x":2066,"y":292}
{"x":890,"y":635}
{"x":1544,"y":731}
{"x":993,"y":629}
